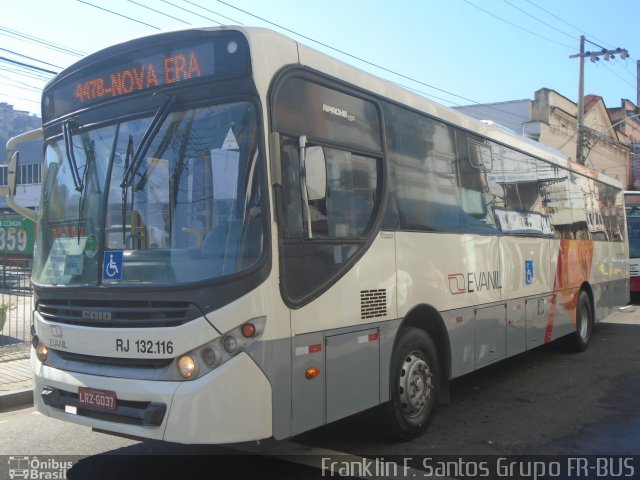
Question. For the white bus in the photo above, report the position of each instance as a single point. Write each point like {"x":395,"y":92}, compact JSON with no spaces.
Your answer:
{"x":241,"y":238}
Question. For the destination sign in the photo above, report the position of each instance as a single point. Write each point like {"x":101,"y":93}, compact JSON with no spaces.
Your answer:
{"x":146,"y":65}
{"x":192,"y":62}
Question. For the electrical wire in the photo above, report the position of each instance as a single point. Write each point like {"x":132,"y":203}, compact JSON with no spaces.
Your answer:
{"x":17,"y":84}
{"x":194,"y":13}
{"x":30,"y":100}
{"x":8,"y":60}
{"x":516,"y":26}
{"x":211,"y":11}
{"x":158,"y":11}
{"x":539,"y":20}
{"x":30,"y":58}
{"x":39,"y":41}
{"x":347,"y":54}
{"x":119,"y":14}
{"x":578,"y":29}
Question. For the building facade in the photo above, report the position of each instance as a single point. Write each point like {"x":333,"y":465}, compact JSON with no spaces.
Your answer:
{"x":626,"y":120}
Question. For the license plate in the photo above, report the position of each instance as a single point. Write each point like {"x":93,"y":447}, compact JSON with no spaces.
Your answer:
{"x":92,"y":397}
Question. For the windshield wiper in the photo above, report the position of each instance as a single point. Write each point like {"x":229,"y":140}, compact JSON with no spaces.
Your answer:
{"x":130,"y":173}
{"x":127,"y":162}
{"x":91,"y":162}
{"x":68,"y":145}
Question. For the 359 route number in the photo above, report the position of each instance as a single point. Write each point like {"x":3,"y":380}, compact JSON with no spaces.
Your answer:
{"x":13,"y":239}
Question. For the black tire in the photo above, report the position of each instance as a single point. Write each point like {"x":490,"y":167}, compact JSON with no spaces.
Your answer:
{"x":414,"y":385}
{"x":578,"y":341}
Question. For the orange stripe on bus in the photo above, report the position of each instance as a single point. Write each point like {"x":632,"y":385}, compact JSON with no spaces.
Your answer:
{"x":575,"y":259}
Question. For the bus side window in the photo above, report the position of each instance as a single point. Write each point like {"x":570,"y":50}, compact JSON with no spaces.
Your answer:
{"x":477,"y":201}
{"x":578,"y":187}
{"x":340,"y":208}
{"x":351,"y":192}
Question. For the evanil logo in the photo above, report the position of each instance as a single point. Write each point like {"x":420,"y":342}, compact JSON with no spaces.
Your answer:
{"x":474,"y":282}
{"x":35,"y":468}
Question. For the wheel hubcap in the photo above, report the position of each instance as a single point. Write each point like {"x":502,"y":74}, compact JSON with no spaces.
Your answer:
{"x":583,"y":326}
{"x":416,"y":385}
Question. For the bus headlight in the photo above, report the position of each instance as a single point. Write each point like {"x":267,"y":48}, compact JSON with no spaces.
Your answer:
{"x":187,"y":366}
{"x":211,"y":355}
{"x":41,"y":352}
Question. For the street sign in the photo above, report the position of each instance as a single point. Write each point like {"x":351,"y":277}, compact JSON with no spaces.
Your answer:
{"x":16,"y":235}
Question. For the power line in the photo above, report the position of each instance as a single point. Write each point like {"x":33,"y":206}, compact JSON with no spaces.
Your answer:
{"x":211,"y":11}
{"x":515,"y":25}
{"x":30,"y":58}
{"x":578,"y":29}
{"x":23,"y":72}
{"x":193,"y":13}
{"x":370,"y":63}
{"x":39,"y":41}
{"x":158,"y":11}
{"x":538,"y":19}
{"x":612,"y":71}
{"x":20,"y":98}
{"x":119,"y":14}
{"x":5,"y":59}
{"x":625,"y":68}
{"x":17,"y":84}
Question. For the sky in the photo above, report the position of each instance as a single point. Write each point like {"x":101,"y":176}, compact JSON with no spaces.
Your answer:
{"x":456,"y":52}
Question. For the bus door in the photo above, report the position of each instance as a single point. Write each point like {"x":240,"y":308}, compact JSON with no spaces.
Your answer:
{"x":334,"y":338}
{"x":337,"y":271}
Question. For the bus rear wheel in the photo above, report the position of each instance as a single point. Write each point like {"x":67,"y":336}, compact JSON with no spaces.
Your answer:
{"x":415,"y":382}
{"x":579,"y":340}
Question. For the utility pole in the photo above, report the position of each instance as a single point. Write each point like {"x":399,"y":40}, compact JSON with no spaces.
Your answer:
{"x":580,"y":141}
{"x":594,"y":57}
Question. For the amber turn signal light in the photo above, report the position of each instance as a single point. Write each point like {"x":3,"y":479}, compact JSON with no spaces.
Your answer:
{"x":312,"y":372}
{"x":248,"y":330}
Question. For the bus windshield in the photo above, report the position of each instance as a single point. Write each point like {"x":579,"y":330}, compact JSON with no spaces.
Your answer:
{"x":189,"y":209}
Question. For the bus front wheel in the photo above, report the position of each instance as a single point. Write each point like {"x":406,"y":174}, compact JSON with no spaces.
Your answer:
{"x":415,"y":382}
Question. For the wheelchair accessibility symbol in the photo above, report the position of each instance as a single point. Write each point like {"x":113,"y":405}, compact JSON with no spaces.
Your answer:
{"x":112,"y":265}
{"x":528,"y":268}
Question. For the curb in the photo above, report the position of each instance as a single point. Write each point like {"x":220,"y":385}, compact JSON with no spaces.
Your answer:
{"x":16,"y":399}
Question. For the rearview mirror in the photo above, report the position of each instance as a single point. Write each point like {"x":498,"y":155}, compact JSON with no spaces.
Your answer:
{"x":12,"y":169}
{"x":316,"y":173}
{"x":11,"y":173}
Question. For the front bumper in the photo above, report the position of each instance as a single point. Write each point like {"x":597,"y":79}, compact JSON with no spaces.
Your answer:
{"x":230,"y":404}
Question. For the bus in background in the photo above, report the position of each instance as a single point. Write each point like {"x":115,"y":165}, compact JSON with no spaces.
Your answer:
{"x":632,"y":208}
{"x":240,"y":238}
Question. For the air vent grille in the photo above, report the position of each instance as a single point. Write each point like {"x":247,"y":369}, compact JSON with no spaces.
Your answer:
{"x":373,"y":303}
{"x":111,"y":314}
